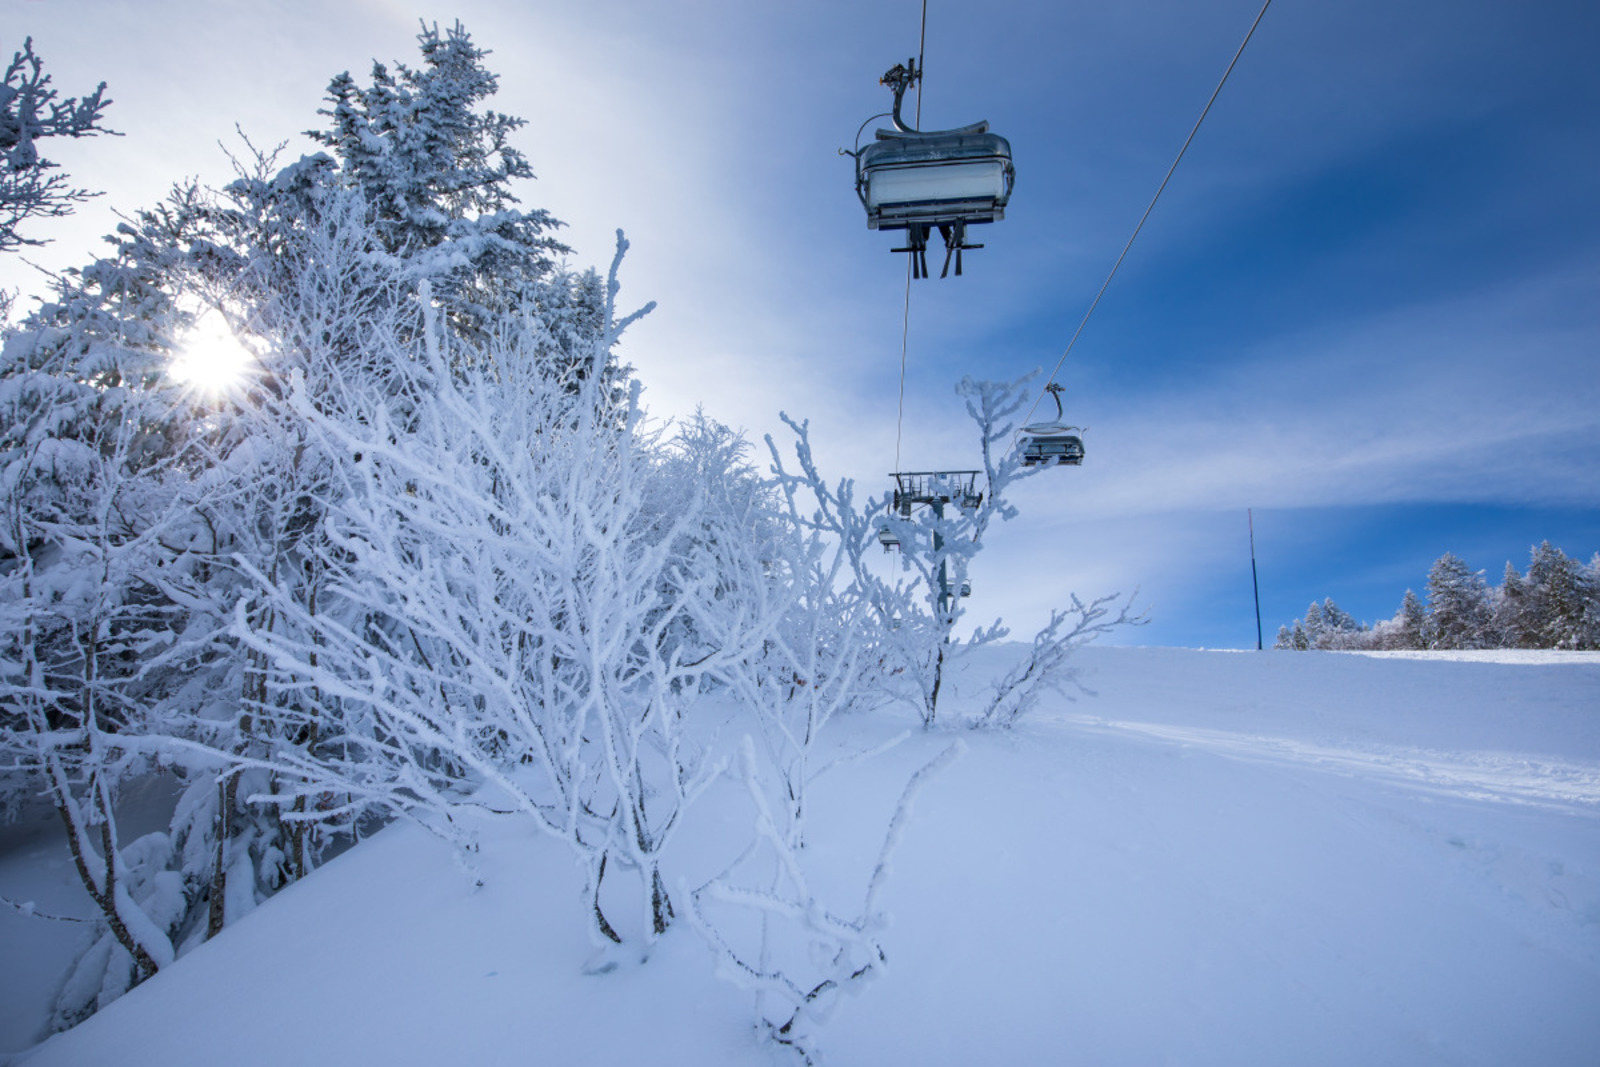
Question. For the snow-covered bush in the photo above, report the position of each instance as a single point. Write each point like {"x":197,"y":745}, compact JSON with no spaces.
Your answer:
{"x":510,"y":583}
{"x":423,"y":555}
{"x":824,"y":654}
{"x":1047,"y":667}
{"x":93,"y":473}
{"x":803,"y":956}
{"x":916,"y":619}
{"x":141,"y":514}
{"x":848,"y":636}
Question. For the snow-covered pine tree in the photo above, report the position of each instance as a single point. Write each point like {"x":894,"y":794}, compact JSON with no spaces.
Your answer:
{"x":1340,"y":630}
{"x":1410,"y":630}
{"x":1514,"y":625}
{"x":1312,"y":625}
{"x":1591,"y":610}
{"x":1459,"y":614}
{"x":30,"y":112}
{"x":436,"y":172}
{"x":1556,"y":600}
{"x":1327,"y":626}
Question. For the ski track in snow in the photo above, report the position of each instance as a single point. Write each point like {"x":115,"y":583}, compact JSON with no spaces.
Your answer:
{"x":1502,"y":777}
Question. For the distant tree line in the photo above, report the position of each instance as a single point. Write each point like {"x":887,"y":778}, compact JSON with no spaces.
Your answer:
{"x":1556,"y":604}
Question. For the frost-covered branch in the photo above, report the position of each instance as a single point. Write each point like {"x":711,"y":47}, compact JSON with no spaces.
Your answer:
{"x":31,"y":111}
{"x":805,"y":955}
{"x":1046,"y":669}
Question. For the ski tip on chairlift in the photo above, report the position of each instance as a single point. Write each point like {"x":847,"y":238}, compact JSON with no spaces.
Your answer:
{"x":1052,"y":443}
{"x":921,"y":181}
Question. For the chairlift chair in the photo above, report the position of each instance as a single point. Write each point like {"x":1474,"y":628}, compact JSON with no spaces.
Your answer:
{"x":915,"y":489}
{"x":1055,"y":442}
{"x":943,"y":180}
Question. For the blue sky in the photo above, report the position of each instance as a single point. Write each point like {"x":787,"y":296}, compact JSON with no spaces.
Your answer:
{"x":1366,"y":306}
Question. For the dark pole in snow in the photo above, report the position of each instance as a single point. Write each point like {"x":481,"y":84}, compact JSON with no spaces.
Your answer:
{"x":1254,"y":582}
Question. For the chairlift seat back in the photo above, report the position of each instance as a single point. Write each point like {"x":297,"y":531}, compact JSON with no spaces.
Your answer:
{"x":1052,"y":442}
{"x":906,"y":178}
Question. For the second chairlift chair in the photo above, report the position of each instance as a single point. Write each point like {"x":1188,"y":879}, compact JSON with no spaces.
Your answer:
{"x":1052,"y":442}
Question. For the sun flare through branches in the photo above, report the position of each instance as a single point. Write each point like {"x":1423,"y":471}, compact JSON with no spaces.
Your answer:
{"x":210,"y":359}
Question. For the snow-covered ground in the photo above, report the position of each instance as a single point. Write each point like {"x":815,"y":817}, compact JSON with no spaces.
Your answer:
{"x":1219,"y":858}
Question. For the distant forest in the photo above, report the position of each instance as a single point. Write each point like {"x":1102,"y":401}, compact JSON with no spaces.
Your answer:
{"x":1556,"y":604}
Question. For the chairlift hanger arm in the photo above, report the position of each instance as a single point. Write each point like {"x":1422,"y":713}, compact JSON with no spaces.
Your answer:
{"x":899,"y":78}
{"x":1054,"y":389}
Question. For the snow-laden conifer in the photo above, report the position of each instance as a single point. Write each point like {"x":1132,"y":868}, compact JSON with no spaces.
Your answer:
{"x":1557,"y":599}
{"x":435,"y":170}
{"x":32,"y":111}
{"x":1458,"y":605}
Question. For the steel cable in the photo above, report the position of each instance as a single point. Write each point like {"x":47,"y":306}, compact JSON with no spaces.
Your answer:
{"x":1104,"y":285}
{"x":905,"y":321}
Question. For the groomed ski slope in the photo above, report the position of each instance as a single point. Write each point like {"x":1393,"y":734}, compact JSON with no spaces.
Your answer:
{"x":1221,"y":858}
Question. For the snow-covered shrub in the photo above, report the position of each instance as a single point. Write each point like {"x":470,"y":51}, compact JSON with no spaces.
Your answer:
{"x":505,"y":610}
{"x":916,"y":619}
{"x":804,"y":956}
{"x":1047,"y":668}
{"x":93,"y":476}
{"x":151,"y":908}
{"x":795,"y":546}
{"x":937,"y":544}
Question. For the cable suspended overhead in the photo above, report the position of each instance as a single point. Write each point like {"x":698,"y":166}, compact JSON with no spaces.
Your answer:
{"x":1051,"y":386}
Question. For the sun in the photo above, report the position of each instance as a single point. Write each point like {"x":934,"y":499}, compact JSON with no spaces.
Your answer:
{"x":210,"y":359}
